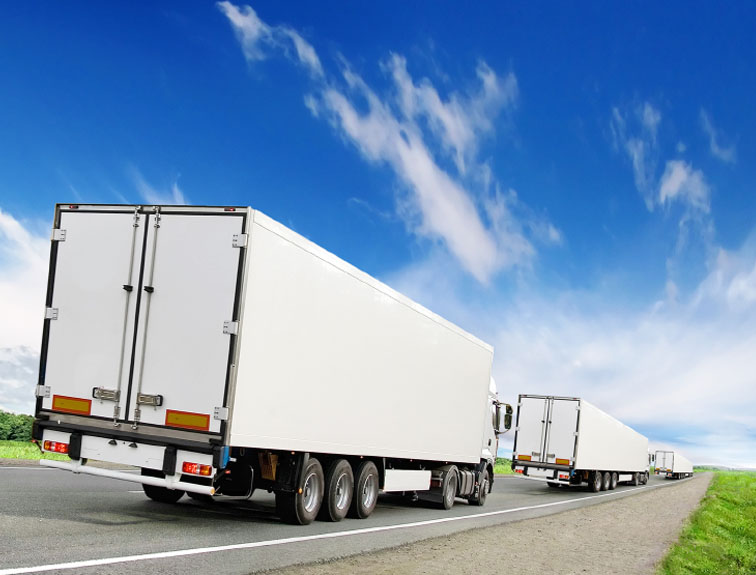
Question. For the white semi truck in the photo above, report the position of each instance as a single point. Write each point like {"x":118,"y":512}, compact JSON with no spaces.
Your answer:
{"x":672,"y":464}
{"x":568,"y":441}
{"x":221,"y":352}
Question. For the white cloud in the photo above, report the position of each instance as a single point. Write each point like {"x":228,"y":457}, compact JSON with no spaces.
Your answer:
{"x":635,"y":134}
{"x":412,"y":131}
{"x":24,"y":257}
{"x":680,"y":182}
{"x":726,"y":154}
{"x":160,"y":197}
{"x":460,"y":120}
{"x":257,"y":38}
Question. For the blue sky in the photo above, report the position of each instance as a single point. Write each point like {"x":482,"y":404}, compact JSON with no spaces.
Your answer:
{"x":573,"y":185}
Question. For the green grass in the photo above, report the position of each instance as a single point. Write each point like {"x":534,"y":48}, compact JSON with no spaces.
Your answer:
{"x":26,"y":450}
{"x":503,"y":466}
{"x":721,"y":536}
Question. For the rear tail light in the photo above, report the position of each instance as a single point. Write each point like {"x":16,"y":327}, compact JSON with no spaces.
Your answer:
{"x":55,"y":446}
{"x":518,"y":470}
{"x":562,"y":476}
{"x":197,"y":469}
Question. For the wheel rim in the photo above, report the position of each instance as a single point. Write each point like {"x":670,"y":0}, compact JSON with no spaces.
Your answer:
{"x":310,"y":492}
{"x":343,"y":486}
{"x":368,"y":491}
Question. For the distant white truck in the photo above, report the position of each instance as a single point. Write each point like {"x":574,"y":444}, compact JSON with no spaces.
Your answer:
{"x":568,"y":441}
{"x":221,"y":352}
{"x":672,"y":464}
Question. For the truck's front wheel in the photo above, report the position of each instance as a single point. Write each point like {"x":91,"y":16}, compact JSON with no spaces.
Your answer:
{"x":302,"y":506}
{"x":485,"y":482}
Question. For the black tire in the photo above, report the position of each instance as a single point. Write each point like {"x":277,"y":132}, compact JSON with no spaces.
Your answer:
{"x":606,"y":481}
{"x":553,"y":484}
{"x":615,"y":479}
{"x":339,"y":489}
{"x":365,"y":494}
{"x":302,"y":506}
{"x":595,"y":481}
{"x":636,"y":479}
{"x":645,"y":478}
{"x":485,"y":484}
{"x":449,"y":488}
{"x":160,"y":494}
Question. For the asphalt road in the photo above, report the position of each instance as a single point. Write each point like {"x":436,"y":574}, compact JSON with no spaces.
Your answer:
{"x":53,"y":521}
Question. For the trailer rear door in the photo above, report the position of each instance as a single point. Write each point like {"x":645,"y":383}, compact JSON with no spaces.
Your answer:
{"x":182,"y":349}
{"x":90,"y":315}
{"x":546,"y":430}
{"x":141,"y":310}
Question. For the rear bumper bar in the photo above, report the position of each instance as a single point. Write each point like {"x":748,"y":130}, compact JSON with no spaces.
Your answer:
{"x":168,"y":482}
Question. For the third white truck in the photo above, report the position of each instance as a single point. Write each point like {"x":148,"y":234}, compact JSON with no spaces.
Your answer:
{"x":568,"y":441}
{"x":672,"y":464}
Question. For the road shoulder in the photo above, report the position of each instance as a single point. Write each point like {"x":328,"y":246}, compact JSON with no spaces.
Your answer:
{"x":624,"y":536}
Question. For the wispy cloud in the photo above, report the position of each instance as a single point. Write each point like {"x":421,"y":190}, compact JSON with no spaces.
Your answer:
{"x":413,"y":130}
{"x":171,"y":195}
{"x":634,"y":133}
{"x":257,"y":38}
{"x":726,"y":154}
{"x":680,"y":182}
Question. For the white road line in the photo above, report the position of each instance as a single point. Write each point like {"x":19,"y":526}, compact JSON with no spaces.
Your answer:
{"x":4,"y":467}
{"x":303,"y":539}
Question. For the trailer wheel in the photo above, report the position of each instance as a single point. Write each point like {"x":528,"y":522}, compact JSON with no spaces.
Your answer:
{"x":596,"y":480}
{"x":365,"y":494}
{"x":339,"y":488}
{"x":302,"y":506}
{"x":615,"y":479}
{"x":607,"y":481}
{"x":157,"y":493}
{"x":482,"y":491}
{"x":449,"y":488}
{"x":636,"y":479}
{"x":645,"y":478}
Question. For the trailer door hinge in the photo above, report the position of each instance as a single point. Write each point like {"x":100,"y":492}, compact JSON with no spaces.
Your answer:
{"x":220,"y":413}
{"x":575,"y":433}
{"x":239,"y":241}
{"x":147,"y":399}
{"x":43,"y":391}
{"x":58,"y":235}
{"x":51,"y":313}
{"x":231,"y":327}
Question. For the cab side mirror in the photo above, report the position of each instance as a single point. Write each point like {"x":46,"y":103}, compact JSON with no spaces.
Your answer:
{"x":503,"y":417}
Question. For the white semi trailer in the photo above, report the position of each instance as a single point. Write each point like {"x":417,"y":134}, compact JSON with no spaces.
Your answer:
{"x":221,"y":352}
{"x":672,"y":464}
{"x":568,"y":441}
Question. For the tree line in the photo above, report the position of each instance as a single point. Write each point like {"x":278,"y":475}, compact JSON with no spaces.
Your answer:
{"x":15,"y":426}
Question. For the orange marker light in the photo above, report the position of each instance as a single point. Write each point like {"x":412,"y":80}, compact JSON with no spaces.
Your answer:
{"x":55,"y":446}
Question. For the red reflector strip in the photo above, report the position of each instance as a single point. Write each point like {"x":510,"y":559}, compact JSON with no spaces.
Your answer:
{"x":197,"y":469}
{"x":518,"y":470}
{"x":562,"y":461}
{"x":187,"y":420}
{"x":55,"y":446}
{"x":72,"y":404}
{"x":524,"y":458}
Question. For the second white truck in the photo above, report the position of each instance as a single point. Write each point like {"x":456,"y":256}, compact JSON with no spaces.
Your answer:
{"x":220,"y":352}
{"x":672,"y":464}
{"x":568,"y":441}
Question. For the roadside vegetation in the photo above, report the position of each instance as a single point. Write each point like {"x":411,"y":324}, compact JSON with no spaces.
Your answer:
{"x":26,"y":450}
{"x":15,"y":427}
{"x":503,"y":466}
{"x":721,"y":536}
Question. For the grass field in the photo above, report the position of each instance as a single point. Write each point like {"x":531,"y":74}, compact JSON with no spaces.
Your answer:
{"x":26,"y":450}
{"x":721,"y":536}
